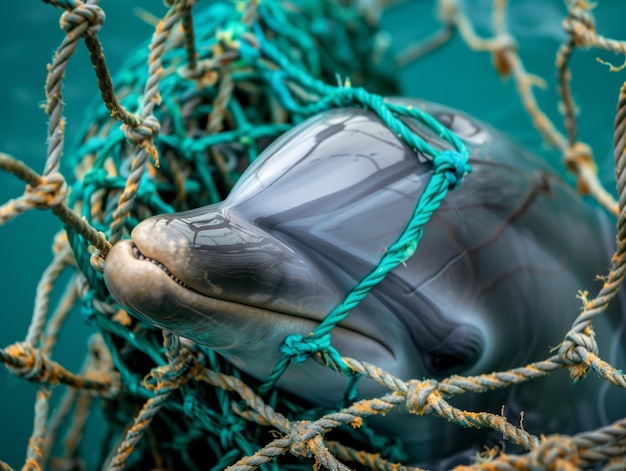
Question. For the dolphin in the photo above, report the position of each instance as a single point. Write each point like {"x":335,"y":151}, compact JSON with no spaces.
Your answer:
{"x":491,"y":286}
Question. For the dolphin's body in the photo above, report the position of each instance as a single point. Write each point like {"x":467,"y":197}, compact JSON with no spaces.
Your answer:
{"x":491,"y":286}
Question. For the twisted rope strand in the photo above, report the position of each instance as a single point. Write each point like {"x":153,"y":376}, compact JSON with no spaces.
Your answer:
{"x":143,"y":135}
{"x":59,"y":208}
{"x":34,"y":453}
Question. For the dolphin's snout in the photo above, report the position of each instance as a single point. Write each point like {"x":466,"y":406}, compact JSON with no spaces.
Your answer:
{"x":219,"y":255}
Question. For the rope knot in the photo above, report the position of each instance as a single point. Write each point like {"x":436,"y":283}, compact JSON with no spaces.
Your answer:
{"x":577,"y":158}
{"x":579,"y":23}
{"x":503,"y":44}
{"x":163,"y":379}
{"x":50,"y":191}
{"x":143,"y":134}
{"x":568,"y":351}
{"x":146,"y":130}
{"x":453,"y":165}
{"x":554,"y":453}
{"x":206,"y":71}
{"x":301,"y":348}
{"x":301,"y":435}
{"x":96,"y":260}
{"x":421,"y":396}
{"x":82,"y":18}
{"x":28,"y":362}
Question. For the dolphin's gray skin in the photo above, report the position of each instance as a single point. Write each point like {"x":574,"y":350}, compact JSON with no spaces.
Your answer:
{"x":491,"y":286}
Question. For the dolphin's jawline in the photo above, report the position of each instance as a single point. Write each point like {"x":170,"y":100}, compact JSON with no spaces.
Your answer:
{"x":176,"y":283}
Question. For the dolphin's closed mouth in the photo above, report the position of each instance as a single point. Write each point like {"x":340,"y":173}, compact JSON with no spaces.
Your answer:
{"x":138,"y":255}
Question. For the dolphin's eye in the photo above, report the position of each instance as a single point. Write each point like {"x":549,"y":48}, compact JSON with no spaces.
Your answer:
{"x":443,"y":364}
{"x":458,"y":352}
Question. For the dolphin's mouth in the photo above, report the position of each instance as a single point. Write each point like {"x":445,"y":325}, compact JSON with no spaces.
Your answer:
{"x":140,"y":256}
{"x":151,"y":296}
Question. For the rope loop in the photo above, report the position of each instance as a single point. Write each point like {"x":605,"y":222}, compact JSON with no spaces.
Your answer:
{"x":144,"y":131}
{"x":83,"y":14}
{"x":573,"y":340}
{"x":554,"y":454}
{"x":143,"y":134}
{"x":96,"y":261}
{"x":300,"y":348}
{"x":453,"y":165}
{"x":568,"y":351}
{"x":164,"y":379}
{"x":30,"y":364}
{"x":301,"y":435}
{"x":207,"y":70}
{"x":49,"y":192}
{"x":578,"y":154}
{"x":579,"y":23}
{"x":577,"y":157}
{"x":421,"y":395}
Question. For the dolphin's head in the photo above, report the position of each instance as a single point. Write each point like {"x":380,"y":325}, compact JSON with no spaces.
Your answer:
{"x":316,"y":213}
{"x":302,"y":227}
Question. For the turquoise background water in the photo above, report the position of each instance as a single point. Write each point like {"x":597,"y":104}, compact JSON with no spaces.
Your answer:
{"x":453,"y":75}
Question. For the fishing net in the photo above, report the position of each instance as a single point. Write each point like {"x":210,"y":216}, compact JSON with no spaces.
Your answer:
{"x":174,"y":130}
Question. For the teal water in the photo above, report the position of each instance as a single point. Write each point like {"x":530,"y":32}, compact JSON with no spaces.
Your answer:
{"x":453,"y":75}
